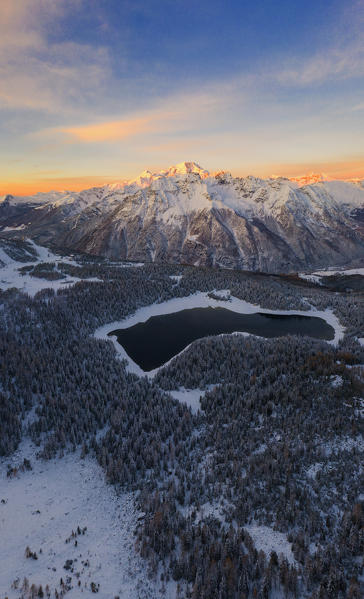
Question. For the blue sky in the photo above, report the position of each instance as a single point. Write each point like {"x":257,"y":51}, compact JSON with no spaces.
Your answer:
{"x":98,"y":90}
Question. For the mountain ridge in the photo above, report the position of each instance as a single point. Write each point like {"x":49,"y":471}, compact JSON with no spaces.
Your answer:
{"x":186,"y":214}
{"x":146,"y":177}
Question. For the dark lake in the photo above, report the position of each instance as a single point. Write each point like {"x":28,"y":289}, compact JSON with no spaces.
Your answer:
{"x":152,"y":343}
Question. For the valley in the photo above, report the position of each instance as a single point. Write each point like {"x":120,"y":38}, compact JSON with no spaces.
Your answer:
{"x":244,"y":451}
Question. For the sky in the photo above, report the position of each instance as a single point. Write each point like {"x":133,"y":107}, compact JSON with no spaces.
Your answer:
{"x":96,"y":91}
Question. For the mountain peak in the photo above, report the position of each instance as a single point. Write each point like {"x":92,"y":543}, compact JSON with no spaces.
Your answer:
{"x":182,"y":168}
{"x":309,"y":179}
{"x":185,"y":168}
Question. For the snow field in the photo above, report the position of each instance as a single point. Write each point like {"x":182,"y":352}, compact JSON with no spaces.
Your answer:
{"x":191,"y":397}
{"x":42,"y":507}
{"x":11,"y":277}
{"x":266,"y":539}
{"x":315,"y":277}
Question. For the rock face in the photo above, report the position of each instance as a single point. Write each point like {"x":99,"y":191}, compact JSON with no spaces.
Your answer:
{"x":186,"y":215}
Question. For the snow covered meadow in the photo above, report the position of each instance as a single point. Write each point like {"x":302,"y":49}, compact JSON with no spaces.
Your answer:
{"x":317,"y":275}
{"x":11,"y":275}
{"x":76,"y":526}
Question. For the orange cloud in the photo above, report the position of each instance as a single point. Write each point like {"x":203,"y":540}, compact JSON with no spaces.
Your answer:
{"x":110,"y":131}
{"x":172,"y":115}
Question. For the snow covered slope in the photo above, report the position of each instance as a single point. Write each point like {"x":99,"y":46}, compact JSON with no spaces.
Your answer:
{"x":75,"y":525}
{"x":184,"y":214}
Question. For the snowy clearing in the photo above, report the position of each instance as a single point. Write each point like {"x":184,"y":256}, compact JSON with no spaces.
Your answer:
{"x":312,"y":278}
{"x":315,"y":277}
{"x":176,"y":278}
{"x":204,"y":511}
{"x":40,"y":508}
{"x":338,"y":271}
{"x":268,"y":540}
{"x":336,"y":380}
{"x":343,"y":444}
{"x":202,"y":300}
{"x":124,"y":264}
{"x":191,"y":397}
{"x":19,"y":228}
{"x":314,"y":469}
{"x":11,"y":277}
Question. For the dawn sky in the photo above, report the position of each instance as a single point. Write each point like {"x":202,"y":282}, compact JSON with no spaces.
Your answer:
{"x":93,"y":91}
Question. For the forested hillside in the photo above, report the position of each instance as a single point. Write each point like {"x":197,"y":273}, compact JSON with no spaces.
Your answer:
{"x":277,"y":445}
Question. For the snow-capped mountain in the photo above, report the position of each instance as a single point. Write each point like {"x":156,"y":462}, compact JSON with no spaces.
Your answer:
{"x":185,"y":214}
{"x":183,"y":168}
{"x":309,"y":179}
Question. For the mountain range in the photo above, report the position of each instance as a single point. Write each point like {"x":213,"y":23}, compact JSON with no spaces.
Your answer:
{"x":186,"y":215}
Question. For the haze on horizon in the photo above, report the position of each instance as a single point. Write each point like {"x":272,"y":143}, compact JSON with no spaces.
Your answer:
{"x":97,"y":92}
